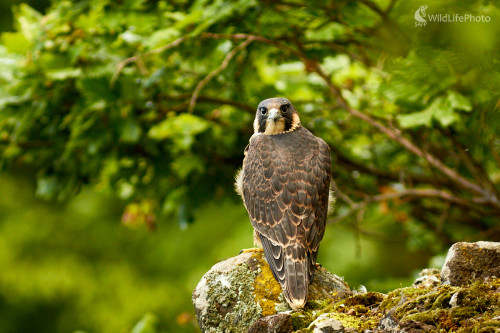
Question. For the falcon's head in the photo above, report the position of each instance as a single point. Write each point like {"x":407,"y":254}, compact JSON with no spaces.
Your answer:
{"x":276,"y":115}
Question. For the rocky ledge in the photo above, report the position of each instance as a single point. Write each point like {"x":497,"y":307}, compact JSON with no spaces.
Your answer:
{"x":241,"y":295}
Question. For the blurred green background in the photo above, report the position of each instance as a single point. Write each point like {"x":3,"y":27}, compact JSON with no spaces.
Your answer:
{"x":122,"y":125}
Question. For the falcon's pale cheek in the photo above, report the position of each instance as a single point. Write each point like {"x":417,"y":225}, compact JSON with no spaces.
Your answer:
{"x":256,"y":125}
{"x":295,"y":121}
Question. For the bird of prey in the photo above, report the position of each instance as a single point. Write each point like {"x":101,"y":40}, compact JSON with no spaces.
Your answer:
{"x":284,"y":184}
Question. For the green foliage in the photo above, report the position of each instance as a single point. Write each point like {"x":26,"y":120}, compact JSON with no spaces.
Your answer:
{"x":103,"y":93}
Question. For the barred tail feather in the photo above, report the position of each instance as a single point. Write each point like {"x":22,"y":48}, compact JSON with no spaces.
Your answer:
{"x":293,"y":268}
{"x":296,"y":283}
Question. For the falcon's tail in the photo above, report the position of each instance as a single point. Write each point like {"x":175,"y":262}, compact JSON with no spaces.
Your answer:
{"x":293,"y":268}
{"x":296,"y":282}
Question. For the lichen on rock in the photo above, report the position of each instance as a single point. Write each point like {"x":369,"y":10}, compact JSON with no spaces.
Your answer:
{"x":224,"y":300}
{"x":267,"y":290}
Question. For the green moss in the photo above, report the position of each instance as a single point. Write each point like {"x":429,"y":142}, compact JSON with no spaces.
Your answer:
{"x":463,"y":313}
{"x":318,"y":304}
{"x":358,"y":322}
{"x":442,"y":300}
{"x":473,"y":308}
{"x":490,"y":323}
{"x":301,"y":320}
{"x":305,"y":330}
{"x":474,"y":305}
{"x":395,"y":297}
{"x":357,"y":311}
{"x":365,"y":299}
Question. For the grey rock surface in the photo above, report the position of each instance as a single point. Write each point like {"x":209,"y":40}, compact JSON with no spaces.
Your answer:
{"x":469,"y":262}
{"x":389,"y":324}
{"x":278,"y":323}
{"x":324,"y":324}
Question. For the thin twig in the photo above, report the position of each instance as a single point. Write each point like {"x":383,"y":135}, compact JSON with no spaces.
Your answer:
{"x":494,"y":151}
{"x":211,"y":99}
{"x":397,"y":175}
{"x":256,"y":38}
{"x":359,"y":207}
{"x":121,"y":65}
{"x":475,"y":168}
{"x":340,"y":194}
{"x":216,"y":71}
{"x":390,"y":7}
{"x":428,"y":192}
{"x":373,"y":7}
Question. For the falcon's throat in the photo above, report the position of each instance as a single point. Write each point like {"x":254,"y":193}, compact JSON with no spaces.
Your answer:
{"x":275,"y":126}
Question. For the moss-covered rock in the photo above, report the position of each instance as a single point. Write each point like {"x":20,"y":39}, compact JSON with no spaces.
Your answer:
{"x":241,"y":291}
{"x":471,"y":308}
{"x":236,"y":292}
{"x":224,"y":298}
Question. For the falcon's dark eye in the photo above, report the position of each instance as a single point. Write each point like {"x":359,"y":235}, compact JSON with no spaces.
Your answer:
{"x":284,"y":108}
{"x":263,"y":110}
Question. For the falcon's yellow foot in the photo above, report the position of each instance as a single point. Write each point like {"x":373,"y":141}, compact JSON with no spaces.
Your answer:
{"x":253,"y":249}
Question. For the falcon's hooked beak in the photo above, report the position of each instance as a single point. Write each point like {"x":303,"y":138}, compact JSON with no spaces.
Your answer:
{"x":274,"y":114}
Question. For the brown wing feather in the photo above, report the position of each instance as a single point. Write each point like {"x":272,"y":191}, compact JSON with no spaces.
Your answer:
{"x":285,"y":189}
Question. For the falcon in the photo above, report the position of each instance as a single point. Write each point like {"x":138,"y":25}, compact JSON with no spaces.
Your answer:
{"x":284,"y":184}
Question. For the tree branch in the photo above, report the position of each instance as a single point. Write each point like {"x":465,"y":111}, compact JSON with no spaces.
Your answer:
{"x":373,"y":7}
{"x":475,"y":168}
{"x":121,"y":65}
{"x":397,"y":175}
{"x":340,"y":194}
{"x":211,"y":99}
{"x":494,"y":151}
{"x":390,"y":7}
{"x":359,"y":207}
{"x":216,"y":71}
{"x":427,"y":192}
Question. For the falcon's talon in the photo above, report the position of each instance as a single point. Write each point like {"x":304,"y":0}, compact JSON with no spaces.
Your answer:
{"x":250,"y":250}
